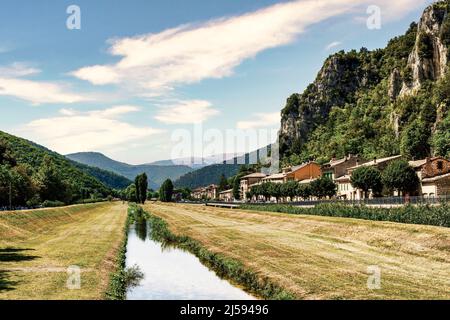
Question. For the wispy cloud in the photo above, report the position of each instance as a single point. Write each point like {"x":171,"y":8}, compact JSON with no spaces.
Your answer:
{"x":333,"y":45}
{"x":18,"y":69}
{"x":39,"y":92}
{"x":96,"y":130}
{"x":261,"y":120}
{"x":191,"y":53}
{"x":186,"y":112}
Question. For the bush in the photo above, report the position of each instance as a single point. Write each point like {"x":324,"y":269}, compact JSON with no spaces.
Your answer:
{"x":425,"y":215}
{"x":86,"y":201}
{"x":119,"y":280}
{"x":52,"y":204}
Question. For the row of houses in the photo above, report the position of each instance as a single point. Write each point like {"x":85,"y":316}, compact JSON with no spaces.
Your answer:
{"x":433,"y":173}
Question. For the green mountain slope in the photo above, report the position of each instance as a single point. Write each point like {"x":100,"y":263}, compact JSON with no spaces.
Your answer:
{"x":32,"y":155}
{"x":156,"y":174}
{"x":207,"y":175}
{"x":377,"y":103}
{"x":109,"y":178}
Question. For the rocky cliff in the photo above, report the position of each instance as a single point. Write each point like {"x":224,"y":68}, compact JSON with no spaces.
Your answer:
{"x":364,"y":102}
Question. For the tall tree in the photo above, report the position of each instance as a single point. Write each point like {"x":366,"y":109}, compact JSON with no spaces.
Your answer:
{"x":323,"y":187}
{"x":223,"y":183}
{"x":415,"y":143}
{"x":401,"y":177}
{"x":366,"y":179}
{"x":166,"y":191}
{"x":141,"y":183}
{"x":50,"y":182}
{"x":237,"y":187}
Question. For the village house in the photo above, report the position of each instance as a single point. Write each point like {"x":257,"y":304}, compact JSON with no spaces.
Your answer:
{"x":226,"y":196}
{"x":434,"y":175}
{"x":337,"y":170}
{"x":210,"y":192}
{"x":357,"y":194}
{"x":310,"y":170}
{"x":198,"y":193}
{"x":247,"y":181}
{"x":275,"y":178}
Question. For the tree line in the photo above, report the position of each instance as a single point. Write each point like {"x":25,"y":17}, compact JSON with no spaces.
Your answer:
{"x":320,"y":188}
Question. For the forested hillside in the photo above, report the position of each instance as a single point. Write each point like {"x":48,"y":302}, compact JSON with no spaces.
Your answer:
{"x":109,"y":178}
{"x":36,"y":174}
{"x":377,"y":103}
{"x":207,"y":175}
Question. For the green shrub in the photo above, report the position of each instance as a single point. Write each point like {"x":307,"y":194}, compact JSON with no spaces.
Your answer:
{"x":52,"y":204}
{"x":120,"y":279}
{"x":424,"y":215}
{"x":86,"y":201}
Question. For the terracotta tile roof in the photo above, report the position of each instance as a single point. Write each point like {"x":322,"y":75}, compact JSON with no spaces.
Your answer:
{"x":417,"y":163}
{"x":255,"y":175}
{"x":442,"y":176}
{"x":376,"y":162}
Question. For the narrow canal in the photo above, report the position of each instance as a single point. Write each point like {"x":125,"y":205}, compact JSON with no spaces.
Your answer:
{"x":171,"y":273}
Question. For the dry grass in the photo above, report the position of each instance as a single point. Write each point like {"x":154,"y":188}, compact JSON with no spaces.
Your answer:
{"x":37,"y":247}
{"x":322,"y":257}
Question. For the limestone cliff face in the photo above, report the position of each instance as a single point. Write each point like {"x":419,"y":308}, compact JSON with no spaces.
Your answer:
{"x":428,"y":61}
{"x":340,"y":77}
{"x":400,"y":69}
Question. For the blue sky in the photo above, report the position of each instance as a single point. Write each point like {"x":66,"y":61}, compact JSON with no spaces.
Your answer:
{"x":140,"y":70}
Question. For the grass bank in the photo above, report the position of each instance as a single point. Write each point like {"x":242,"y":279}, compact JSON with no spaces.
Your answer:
{"x":424,"y":215}
{"x":117,"y":287}
{"x":225,"y":267}
{"x":318,"y":257}
{"x":38,"y":246}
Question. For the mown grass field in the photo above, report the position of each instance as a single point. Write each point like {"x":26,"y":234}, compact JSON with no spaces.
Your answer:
{"x":37,"y":247}
{"x":322,"y":257}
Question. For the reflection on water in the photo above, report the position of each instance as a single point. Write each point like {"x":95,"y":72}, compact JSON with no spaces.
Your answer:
{"x":171,"y":273}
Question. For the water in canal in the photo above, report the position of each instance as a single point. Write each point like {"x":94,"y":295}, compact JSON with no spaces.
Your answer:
{"x":171,"y":273}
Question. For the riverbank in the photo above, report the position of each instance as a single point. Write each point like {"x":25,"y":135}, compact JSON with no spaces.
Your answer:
{"x":321,"y":257}
{"x":38,"y":246}
{"x":225,"y":267}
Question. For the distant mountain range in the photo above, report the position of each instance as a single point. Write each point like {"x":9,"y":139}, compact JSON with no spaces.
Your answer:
{"x":156,"y":173}
{"x":196,"y":162}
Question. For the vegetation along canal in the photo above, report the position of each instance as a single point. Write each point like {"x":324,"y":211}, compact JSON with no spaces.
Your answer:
{"x":171,"y":273}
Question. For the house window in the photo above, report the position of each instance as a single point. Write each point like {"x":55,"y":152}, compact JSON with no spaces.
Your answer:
{"x":440,"y":165}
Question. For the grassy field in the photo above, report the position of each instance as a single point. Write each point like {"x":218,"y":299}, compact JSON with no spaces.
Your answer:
{"x":323,"y":257}
{"x":37,"y":247}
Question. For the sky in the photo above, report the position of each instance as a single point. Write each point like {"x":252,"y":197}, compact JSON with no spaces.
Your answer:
{"x":147,"y":80}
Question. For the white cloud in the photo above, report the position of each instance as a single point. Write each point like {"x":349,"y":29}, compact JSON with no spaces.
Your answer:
{"x":97,"y":130}
{"x":97,"y":75}
{"x":333,"y":45}
{"x":191,"y":53}
{"x":261,"y":120}
{"x":38,"y":92}
{"x":18,"y":69}
{"x":186,"y":112}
